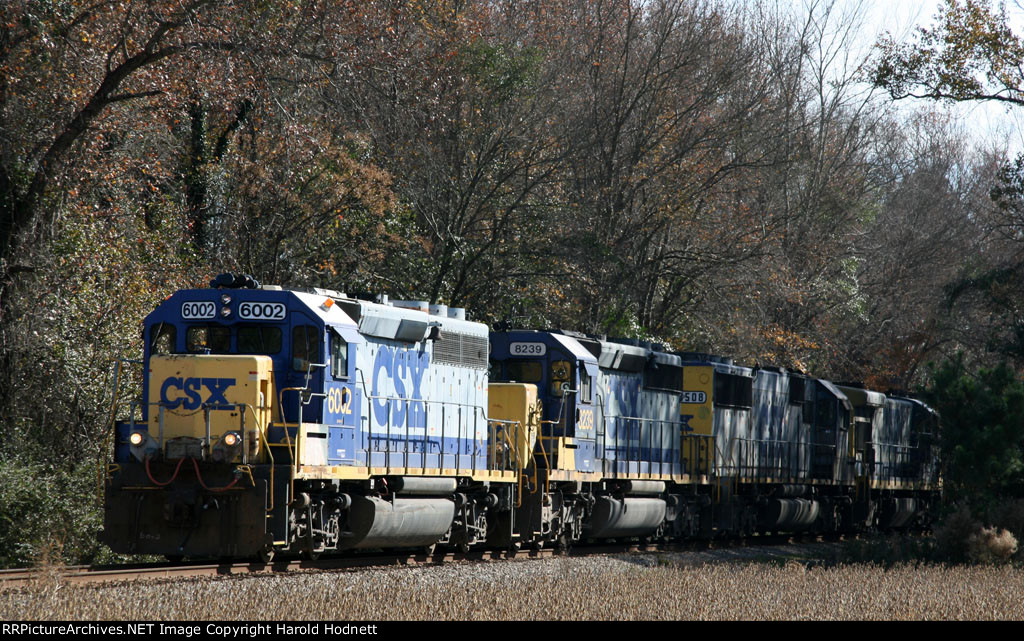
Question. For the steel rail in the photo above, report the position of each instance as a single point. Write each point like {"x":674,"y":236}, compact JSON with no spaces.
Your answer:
{"x":22,"y":577}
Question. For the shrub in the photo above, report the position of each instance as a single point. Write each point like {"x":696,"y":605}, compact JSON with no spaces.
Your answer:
{"x":1009,"y":515}
{"x":887,"y":551}
{"x":989,"y":545}
{"x":982,"y":431}
{"x":952,"y":535}
{"x":47,"y":514}
{"x":962,"y":537}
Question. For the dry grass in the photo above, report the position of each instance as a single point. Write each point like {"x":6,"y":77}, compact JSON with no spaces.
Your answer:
{"x":552,"y":589}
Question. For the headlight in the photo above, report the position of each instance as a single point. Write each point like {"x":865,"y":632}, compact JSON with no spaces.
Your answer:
{"x":228,"y":447}
{"x":225,"y":299}
{"x":225,"y":311}
{"x":142,"y":445}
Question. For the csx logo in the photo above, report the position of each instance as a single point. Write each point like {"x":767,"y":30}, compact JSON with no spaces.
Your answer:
{"x":187,"y":393}
{"x":399,"y":373}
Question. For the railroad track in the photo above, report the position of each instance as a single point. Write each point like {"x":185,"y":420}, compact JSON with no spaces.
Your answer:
{"x":117,"y":573}
{"x":157,"y":571}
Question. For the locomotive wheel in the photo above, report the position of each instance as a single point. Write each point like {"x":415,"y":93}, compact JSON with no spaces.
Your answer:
{"x":266,"y":555}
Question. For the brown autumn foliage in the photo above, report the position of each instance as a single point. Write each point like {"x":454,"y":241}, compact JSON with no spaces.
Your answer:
{"x":699,"y":172}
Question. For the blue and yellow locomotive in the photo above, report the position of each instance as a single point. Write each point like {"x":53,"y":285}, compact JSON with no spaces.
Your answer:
{"x":293,"y":421}
{"x":283,"y":421}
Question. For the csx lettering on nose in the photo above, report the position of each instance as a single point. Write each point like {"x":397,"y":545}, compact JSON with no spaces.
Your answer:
{"x":190,"y":391}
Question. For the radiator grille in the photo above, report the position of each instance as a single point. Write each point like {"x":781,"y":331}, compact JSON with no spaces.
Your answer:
{"x":461,"y":349}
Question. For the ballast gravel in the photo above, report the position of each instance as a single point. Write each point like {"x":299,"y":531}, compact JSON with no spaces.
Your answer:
{"x":766,"y":584}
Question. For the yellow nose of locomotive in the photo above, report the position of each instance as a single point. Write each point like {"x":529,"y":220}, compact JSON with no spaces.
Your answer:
{"x":210,"y":407}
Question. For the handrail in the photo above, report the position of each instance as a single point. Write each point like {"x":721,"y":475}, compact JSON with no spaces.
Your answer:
{"x":108,"y":444}
{"x":547,"y":466}
{"x":689,"y":445}
{"x":802,"y":453}
{"x":663,"y":426}
{"x":499,"y":425}
{"x":294,"y":451}
{"x":518,"y":461}
{"x":260,"y":430}
{"x":563,"y":417}
{"x":477,"y":411}
{"x":270,"y":454}
{"x":604,"y":429}
{"x":797,"y":459}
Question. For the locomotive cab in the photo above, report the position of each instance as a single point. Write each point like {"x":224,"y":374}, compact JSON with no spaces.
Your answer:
{"x":217,"y":359}
{"x":565,"y":372}
{"x":830,"y":417}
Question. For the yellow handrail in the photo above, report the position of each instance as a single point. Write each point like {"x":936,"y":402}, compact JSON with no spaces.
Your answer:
{"x":518,"y":462}
{"x":263,"y":436}
{"x":547,"y":464}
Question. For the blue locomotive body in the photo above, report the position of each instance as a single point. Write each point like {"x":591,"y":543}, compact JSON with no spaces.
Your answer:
{"x":279,"y":399}
{"x":619,"y":401}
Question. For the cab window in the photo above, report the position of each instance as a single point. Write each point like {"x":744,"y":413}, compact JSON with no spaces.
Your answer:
{"x":561,"y":374}
{"x":586,"y":385}
{"x":163,"y":339}
{"x":259,"y":339}
{"x":305,"y":347}
{"x":732,"y":390}
{"x":339,"y":356}
{"x":214,"y":339}
{"x":664,"y":377}
{"x":525,"y":371}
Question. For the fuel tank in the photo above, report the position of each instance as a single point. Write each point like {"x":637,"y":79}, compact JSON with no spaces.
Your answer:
{"x":399,"y":523}
{"x":789,"y":514}
{"x":897,"y":512}
{"x":612,"y":518}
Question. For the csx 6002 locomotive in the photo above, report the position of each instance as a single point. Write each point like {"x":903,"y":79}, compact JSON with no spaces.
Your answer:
{"x":303,"y":422}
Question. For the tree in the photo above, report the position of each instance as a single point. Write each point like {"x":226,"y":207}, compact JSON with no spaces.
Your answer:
{"x":799,"y":300}
{"x":663,"y":98}
{"x":66,"y":67}
{"x":926,"y":213}
{"x":454,"y":103}
{"x":300,"y":208}
{"x":982,"y":431}
{"x":971,"y":55}
{"x":141,"y":140}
